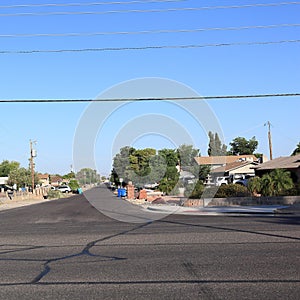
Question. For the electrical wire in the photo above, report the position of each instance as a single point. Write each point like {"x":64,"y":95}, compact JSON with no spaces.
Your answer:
{"x":151,"y":98}
{"x":76,"y":34}
{"x":88,"y":4}
{"x":148,"y":10}
{"x":147,"y":47}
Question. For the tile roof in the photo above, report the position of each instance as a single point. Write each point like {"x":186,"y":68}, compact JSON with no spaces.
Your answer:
{"x":232,"y":166}
{"x":289,"y":162}
{"x":222,"y":160}
{"x":55,"y":178}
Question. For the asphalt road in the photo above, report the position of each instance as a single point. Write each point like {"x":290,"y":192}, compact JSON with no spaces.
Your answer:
{"x":66,"y":249}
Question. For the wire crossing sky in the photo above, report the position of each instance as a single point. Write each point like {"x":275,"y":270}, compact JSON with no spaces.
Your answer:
{"x":186,"y":9}
{"x":220,"y":97}
{"x":147,"y":47}
{"x":160,"y":31}
{"x":88,"y":3}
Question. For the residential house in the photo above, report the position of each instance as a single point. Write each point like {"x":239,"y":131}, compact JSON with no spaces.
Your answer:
{"x":56,"y":180}
{"x":221,"y":161}
{"x":235,"y":167}
{"x":3,"y":180}
{"x":236,"y":171}
{"x":289,"y":163}
{"x":44,"y":179}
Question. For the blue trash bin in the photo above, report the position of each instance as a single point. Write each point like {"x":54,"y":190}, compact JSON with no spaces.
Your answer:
{"x":123,"y":192}
{"x":79,"y":190}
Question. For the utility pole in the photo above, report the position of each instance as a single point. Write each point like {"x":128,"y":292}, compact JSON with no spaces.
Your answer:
{"x":270,"y":139}
{"x":31,"y":159}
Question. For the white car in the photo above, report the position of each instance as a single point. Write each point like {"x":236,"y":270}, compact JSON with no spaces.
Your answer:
{"x":245,"y":181}
{"x":64,"y":189}
{"x":221,"y":181}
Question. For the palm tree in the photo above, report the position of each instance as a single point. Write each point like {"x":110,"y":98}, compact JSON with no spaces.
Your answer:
{"x":267,"y":185}
{"x":297,"y":150}
{"x":276,"y":182}
{"x":282,"y":181}
{"x":254,"y":185}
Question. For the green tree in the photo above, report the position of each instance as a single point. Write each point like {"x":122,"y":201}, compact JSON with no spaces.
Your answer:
{"x":170,"y":156}
{"x":282,"y":181}
{"x":70,"y":175}
{"x":122,"y":165}
{"x":157,"y":167}
{"x":171,"y":176}
{"x":276,"y":182}
{"x":114,"y":177}
{"x":74,"y":185}
{"x":7,"y":166}
{"x":215,"y":146}
{"x":21,"y":177}
{"x":140,"y":161}
{"x":103,"y":178}
{"x":241,"y":146}
{"x":297,"y":150}
{"x":87,"y":176}
{"x":168,"y":183}
{"x":186,"y":155}
{"x":140,"y":166}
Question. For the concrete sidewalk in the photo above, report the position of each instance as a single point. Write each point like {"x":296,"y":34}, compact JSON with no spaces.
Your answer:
{"x":221,"y":210}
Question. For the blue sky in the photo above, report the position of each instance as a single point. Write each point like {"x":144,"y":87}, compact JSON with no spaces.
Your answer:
{"x":230,"y":70}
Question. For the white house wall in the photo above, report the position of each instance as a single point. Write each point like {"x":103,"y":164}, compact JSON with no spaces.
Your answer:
{"x":243,"y":170}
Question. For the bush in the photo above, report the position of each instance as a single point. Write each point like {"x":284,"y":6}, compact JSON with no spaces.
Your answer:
{"x":232,"y":190}
{"x":224,"y":191}
{"x":53,"y":194}
{"x":194,"y":192}
{"x":166,"y":186}
{"x":294,"y":191}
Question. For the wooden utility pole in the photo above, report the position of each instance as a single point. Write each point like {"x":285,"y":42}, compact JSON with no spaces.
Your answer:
{"x":270,"y":139}
{"x":31,"y":159}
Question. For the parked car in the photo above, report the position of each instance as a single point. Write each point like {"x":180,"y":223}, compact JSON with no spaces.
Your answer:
{"x":245,"y":181}
{"x":151,"y":186}
{"x":223,"y":180}
{"x":64,"y":189}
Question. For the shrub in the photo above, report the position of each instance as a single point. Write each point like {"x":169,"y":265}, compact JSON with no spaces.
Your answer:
{"x":294,"y":191}
{"x":232,"y":190}
{"x":166,"y":186}
{"x":52,"y":194}
{"x":194,"y":191}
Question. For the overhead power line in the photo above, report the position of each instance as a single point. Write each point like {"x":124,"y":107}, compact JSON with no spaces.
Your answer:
{"x":75,"y":34}
{"x":88,"y":3}
{"x":151,"y":98}
{"x":148,"y":47}
{"x":148,"y":10}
